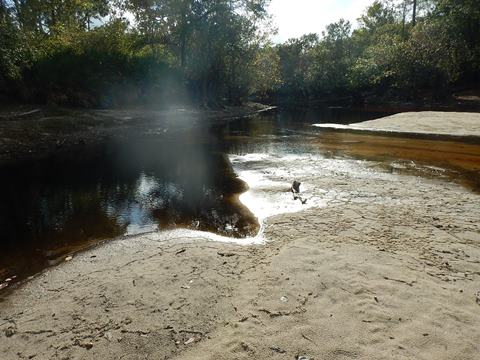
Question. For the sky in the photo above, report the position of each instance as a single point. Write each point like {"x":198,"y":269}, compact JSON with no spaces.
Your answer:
{"x":294,"y":18}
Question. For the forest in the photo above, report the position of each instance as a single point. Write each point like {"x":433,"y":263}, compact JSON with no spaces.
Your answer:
{"x":209,"y":53}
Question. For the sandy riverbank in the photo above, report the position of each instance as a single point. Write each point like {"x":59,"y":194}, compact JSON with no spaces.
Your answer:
{"x":385,"y":266}
{"x":443,"y":124}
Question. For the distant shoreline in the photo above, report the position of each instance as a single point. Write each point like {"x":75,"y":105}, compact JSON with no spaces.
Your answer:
{"x":37,"y":132}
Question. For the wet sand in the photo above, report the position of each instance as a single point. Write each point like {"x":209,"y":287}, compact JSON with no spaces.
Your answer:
{"x":377,"y":265}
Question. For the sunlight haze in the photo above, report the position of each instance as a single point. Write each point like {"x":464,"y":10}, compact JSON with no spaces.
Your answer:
{"x":296,"y":18}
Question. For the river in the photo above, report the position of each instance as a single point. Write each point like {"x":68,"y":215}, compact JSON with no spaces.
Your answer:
{"x":191,"y":178}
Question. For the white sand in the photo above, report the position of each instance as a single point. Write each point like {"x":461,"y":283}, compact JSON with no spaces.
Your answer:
{"x":426,"y":122}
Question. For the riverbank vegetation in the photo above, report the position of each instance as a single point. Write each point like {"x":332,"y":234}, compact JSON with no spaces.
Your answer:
{"x":109,"y":53}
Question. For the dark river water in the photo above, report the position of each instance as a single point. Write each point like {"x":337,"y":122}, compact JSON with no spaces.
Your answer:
{"x":68,"y":202}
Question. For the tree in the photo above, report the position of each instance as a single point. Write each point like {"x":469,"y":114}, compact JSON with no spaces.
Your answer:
{"x":210,"y":52}
{"x":220,"y":34}
{"x":414,"y":15}
{"x":267,"y":77}
{"x":295,"y":60}
{"x":376,"y":16}
{"x":45,"y":16}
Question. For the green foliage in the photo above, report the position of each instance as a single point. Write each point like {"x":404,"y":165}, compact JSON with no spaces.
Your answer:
{"x":378,"y":15}
{"x":295,"y":57}
{"x":208,"y":52}
{"x":381,"y":66}
{"x":266,"y":72}
{"x":215,"y":41}
{"x":102,"y":67}
{"x":388,"y":54}
{"x":10,"y":54}
{"x":84,"y":52}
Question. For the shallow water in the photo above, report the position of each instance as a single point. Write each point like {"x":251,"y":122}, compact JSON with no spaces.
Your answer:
{"x":188,"y":180}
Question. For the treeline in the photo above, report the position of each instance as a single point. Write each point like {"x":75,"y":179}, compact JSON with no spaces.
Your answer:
{"x":121,"y":52}
{"x":406,"y":49}
{"x":104,"y":53}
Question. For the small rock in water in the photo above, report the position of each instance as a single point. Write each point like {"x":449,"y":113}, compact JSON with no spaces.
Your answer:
{"x":478,"y":297}
{"x":68,"y":258}
{"x":284,"y":299}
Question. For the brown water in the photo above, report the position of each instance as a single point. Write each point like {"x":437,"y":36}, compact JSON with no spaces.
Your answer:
{"x":58,"y":205}
{"x":453,"y":161}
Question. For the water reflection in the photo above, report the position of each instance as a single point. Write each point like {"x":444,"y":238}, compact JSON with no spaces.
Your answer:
{"x":60,"y":204}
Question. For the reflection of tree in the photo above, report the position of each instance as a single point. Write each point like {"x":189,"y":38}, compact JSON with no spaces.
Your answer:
{"x":53,"y":206}
{"x":204,"y":196}
{"x":57,"y":205}
{"x":195,"y":186}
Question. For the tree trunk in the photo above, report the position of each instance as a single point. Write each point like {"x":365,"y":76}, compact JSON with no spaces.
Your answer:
{"x":183,"y":48}
{"x":414,"y":16}
{"x":205,"y":90}
{"x":3,"y":8}
{"x":183,"y":35}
